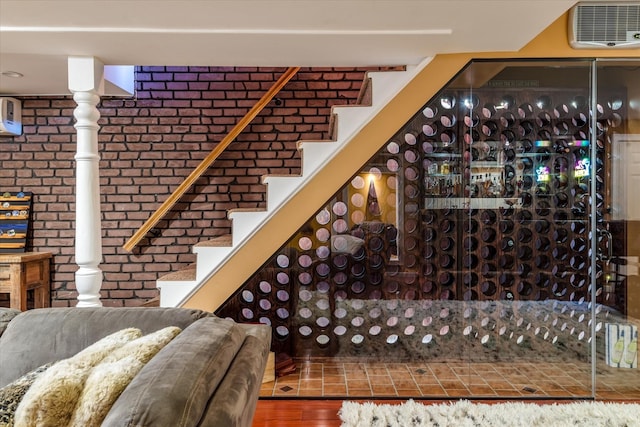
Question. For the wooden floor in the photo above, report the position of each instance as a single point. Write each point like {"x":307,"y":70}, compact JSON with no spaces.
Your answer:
{"x":290,"y":413}
{"x":313,"y":395}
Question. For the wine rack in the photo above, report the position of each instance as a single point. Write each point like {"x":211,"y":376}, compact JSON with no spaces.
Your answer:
{"x":480,"y":197}
{"x":516,"y":177}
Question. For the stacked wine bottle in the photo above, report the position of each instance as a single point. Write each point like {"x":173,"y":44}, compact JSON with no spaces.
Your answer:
{"x":524,"y":158}
{"x":494,"y":202}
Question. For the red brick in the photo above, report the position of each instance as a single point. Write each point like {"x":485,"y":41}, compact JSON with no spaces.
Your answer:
{"x":175,"y":103}
{"x":161,"y":75}
{"x":35,"y":103}
{"x":237,"y":76}
{"x":154,"y":86}
{"x":148,"y":146}
{"x":211,"y":76}
{"x":164,"y":112}
{"x":182,"y":86}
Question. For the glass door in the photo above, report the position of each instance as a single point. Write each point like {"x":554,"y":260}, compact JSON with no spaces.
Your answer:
{"x":524,"y":272}
{"x":617,"y":236}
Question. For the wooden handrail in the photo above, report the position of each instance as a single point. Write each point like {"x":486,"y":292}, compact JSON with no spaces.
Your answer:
{"x":208,"y":161}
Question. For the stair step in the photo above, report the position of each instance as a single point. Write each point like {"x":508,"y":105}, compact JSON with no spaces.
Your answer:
{"x":176,"y":285}
{"x":153,"y":302}
{"x":364,"y":96}
{"x":216,"y":242}
{"x":171,"y":293}
{"x":186,"y":274}
{"x":332,"y":132}
{"x":211,"y":253}
{"x":280,"y":188}
{"x":245,"y":222}
{"x":315,"y":155}
{"x":230,"y":212}
{"x":350,"y":119}
{"x":386,"y":84}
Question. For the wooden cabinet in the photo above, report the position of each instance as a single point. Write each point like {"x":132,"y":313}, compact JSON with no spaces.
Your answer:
{"x":22,"y":272}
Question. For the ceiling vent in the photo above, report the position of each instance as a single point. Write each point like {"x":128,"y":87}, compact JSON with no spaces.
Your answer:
{"x":605,"y":25}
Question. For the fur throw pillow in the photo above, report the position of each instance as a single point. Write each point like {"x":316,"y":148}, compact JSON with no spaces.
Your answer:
{"x":109,"y":378}
{"x":12,"y":394}
{"x":52,"y":397}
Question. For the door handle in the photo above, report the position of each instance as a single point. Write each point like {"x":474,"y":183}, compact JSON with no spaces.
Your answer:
{"x":609,"y":246}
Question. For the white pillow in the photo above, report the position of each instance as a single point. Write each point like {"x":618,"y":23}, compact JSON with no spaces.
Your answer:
{"x":52,"y":397}
{"x":110,"y":377}
{"x":144,"y":348}
{"x":103,"y":386}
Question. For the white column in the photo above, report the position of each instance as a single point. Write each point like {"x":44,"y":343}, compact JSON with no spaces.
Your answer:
{"x":86,"y":82}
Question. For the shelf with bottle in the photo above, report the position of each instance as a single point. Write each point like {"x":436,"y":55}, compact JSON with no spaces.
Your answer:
{"x":471,"y":203}
{"x":621,"y":349}
{"x":441,"y":154}
{"x":445,"y":175}
{"x":443,"y":178}
{"x":448,"y":162}
{"x":443,"y":185}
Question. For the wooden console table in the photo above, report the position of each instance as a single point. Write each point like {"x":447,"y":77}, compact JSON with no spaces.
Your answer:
{"x":22,"y":272}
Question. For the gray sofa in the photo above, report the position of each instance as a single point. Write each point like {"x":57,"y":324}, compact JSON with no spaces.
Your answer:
{"x":209,"y":375}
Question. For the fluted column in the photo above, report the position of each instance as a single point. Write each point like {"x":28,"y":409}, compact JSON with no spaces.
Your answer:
{"x":85,"y":81}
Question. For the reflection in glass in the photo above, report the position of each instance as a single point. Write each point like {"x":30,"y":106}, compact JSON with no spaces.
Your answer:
{"x":467,"y":239}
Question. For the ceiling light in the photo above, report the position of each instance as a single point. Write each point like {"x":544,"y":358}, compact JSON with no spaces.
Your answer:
{"x":13,"y":74}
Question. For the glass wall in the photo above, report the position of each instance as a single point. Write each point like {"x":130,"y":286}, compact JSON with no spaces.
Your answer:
{"x":617,"y":88}
{"x":489,"y":247}
{"x":524,"y":268}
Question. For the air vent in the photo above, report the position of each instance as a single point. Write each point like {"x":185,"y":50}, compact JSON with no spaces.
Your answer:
{"x":10,"y":117}
{"x":605,"y":25}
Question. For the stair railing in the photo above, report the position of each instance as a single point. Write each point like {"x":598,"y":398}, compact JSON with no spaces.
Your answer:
{"x":208,"y":161}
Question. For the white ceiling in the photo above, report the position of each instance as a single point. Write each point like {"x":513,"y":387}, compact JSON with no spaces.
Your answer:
{"x":37,"y":36}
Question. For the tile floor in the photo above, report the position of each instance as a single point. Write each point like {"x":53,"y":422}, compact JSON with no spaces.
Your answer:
{"x":455,"y":379}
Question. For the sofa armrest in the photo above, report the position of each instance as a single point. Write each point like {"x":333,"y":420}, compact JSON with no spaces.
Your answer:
{"x":260,"y":331}
{"x":234,"y":402}
{"x":173,"y":389}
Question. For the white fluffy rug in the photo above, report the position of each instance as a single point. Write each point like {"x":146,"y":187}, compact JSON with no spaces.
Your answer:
{"x":467,"y":414}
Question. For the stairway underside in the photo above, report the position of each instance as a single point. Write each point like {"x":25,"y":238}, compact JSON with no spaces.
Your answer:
{"x":247,"y":225}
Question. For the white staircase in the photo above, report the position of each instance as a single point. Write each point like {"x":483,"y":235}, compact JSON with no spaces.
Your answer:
{"x":348,"y":120}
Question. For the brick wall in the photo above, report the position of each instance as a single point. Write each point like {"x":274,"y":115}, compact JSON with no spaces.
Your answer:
{"x":148,"y":146}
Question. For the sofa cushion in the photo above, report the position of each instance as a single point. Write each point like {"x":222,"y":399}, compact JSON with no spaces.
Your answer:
{"x":111,"y":376}
{"x":6,"y":315}
{"x":52,"y":396}
{"x":12,"y":394}
{"x":63,"y":332}
{"x":173,"y":389}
